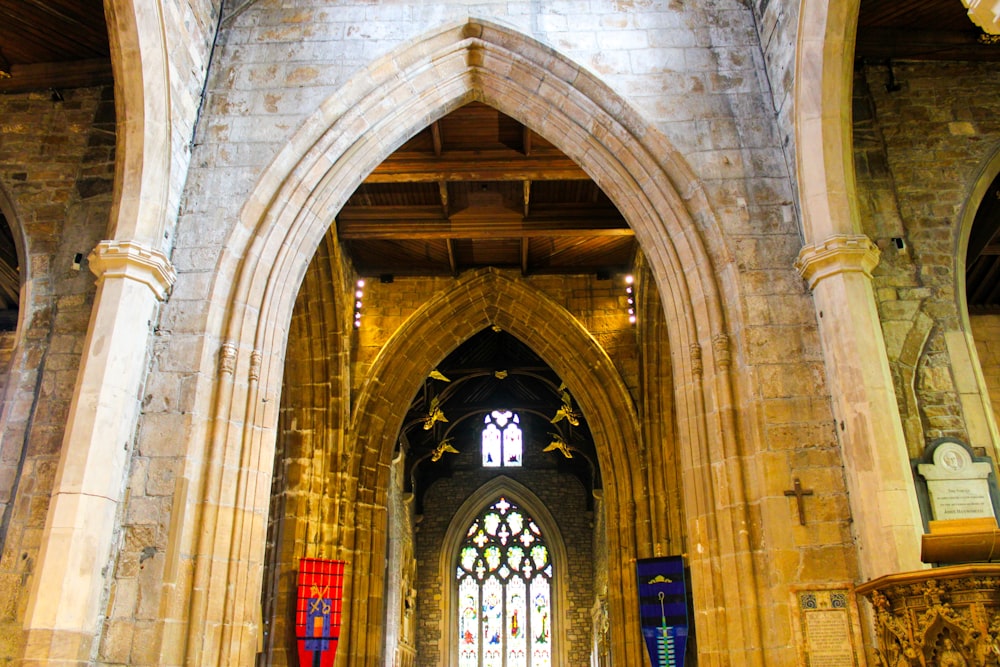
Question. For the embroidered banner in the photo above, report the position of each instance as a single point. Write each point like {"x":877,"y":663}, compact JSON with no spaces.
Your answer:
{"x":318,"y":609}
{"x":663,"y":609}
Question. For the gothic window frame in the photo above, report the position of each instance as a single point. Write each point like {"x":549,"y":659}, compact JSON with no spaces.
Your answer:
{"x":523,"y":497}
{"x":503,"y":422}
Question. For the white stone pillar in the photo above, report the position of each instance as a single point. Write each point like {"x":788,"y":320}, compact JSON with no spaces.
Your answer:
{"x":887,"y":523}
{"x":64,"y":606}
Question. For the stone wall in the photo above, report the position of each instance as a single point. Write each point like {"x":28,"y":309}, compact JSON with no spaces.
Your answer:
{"x":919,"y":151}
{"x":986,"y":331}
{"x":56,"y":168}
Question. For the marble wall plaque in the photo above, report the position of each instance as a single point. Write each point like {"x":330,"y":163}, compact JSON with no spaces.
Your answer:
{"x":826,"y":627}
{"x":958,"y":487}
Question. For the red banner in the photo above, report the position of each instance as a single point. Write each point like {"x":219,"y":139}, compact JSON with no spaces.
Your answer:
{"x":318,"y":610}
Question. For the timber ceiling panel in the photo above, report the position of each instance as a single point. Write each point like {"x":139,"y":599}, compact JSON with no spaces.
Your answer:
{"x":53,"y":44}
{"x":476,"y":189}
{"x":920,"y":30}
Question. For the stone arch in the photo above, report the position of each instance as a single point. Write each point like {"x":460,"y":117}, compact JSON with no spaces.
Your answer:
{"x":480,"y":300}
{"x":142,"y":168}
{"x":528,"y":501}
{"x":9,"y":211}
{"x":969,"y":365}
{"x":9,"y":390}
{"x":824,"y":156}
{"x":309,"y":180}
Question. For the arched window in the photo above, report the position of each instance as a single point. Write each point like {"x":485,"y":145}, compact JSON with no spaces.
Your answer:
{"x":502,"y":445}
{"x":504,"y":575}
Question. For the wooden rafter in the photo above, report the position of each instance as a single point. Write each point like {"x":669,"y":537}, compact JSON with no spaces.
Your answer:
{"x":426,"y":222}
{"x":476,"y":166}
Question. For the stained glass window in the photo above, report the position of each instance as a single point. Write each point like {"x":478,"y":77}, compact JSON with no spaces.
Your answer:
{"x":502,"y":444}
{"x":504,"y":575}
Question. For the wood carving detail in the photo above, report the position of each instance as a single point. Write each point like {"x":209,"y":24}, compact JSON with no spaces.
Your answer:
{"x":948,"y":617}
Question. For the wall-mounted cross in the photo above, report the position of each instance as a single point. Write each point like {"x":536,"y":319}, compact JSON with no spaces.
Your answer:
{"x":799,"y":494}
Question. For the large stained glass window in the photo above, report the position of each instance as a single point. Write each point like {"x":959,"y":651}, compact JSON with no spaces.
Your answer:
{"x":504,"y":574}
{"x":502,"y":446}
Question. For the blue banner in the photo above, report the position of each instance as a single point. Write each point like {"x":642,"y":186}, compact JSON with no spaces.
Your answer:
{"x":663,"y":609}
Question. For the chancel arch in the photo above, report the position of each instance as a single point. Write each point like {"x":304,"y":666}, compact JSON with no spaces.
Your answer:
{"x":290,"y":211}
{"x":480,"y":301}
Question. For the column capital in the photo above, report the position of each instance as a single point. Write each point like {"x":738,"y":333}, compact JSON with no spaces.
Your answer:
{"x":838,"y":254}
{"x":135,"y":261}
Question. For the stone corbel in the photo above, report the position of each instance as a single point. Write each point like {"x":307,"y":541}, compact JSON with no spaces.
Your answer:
{"x":133,"y":261}
{"x":842,"y":253}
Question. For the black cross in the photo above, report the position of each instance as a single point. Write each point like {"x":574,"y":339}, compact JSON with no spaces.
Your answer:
{"x":799,"y":493}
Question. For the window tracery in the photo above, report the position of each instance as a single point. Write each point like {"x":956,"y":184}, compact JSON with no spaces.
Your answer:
{"x":504,"y":578}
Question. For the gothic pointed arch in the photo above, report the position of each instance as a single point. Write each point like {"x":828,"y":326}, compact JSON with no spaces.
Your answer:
{"x":480,"y":300}
{"x":142,"y":169}
{"x":295,"y":200}
{"x":524,"y":498}
{"x":976,"y":229}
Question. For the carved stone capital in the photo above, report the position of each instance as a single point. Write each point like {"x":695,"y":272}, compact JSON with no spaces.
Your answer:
{"x":696,"y":364}
{"x":133,"y":261}
{"x":838,"y":254}
{"x":227,"y":359}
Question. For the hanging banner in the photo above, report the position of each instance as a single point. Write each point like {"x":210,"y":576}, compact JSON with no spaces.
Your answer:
{"x":663,"y":609}
{"x":318,"y":609}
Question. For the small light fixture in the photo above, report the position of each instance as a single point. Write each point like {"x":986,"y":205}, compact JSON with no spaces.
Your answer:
{"x":630,"y":298}
{"x":359,"y":294}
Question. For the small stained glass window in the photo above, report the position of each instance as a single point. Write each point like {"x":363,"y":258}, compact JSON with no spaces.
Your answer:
{"x":502,"y":440}
{"x":504,"y":591}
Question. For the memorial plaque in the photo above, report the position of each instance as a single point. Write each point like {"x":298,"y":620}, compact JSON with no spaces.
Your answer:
{"x":827,"y":628}
{"x":957,"y":486}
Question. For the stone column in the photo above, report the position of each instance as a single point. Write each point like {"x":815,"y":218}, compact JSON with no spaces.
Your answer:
{"x":74,"y":566}
{"x":887,"y":523}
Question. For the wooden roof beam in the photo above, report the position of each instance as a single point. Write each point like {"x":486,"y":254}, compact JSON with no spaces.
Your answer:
{"x":77,"y":74}
{"x":351,"y":228}
{"x":477,"y":166}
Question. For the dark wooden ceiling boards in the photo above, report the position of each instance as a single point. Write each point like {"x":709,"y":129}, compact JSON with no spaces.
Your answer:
{"x":920,"y":30}
{"x":476,"y":188}
{"x":53,"y":44}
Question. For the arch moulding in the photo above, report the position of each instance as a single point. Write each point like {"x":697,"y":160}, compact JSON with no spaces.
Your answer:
{"x":291,"y":209}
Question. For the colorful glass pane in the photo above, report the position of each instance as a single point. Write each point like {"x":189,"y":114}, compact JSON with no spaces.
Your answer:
{"x":512,"y":445}
{"x":492,"y":555}
{"x":517,"y":620}
{"x":502,"y":440}
{"x":541,"y":637}
{"x":468,"y":623}
{"x":503,"y":574}
{"x":492,"y":457}
{"x":467,"y":558}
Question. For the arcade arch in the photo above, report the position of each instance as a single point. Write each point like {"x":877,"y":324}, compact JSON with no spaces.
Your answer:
{"x":280,"y":228}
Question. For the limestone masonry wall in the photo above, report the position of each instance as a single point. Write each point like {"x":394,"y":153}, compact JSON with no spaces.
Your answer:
{"x":919,"y":151}
{"x":56,"y":168}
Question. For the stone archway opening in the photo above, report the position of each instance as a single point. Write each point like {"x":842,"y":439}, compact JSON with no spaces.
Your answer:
{"x":291,"y":210}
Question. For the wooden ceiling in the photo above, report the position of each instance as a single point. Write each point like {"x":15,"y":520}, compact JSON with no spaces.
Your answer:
{"x":53,"y":44}
{"x":920,"y":30}
{"x":477,"y":189}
